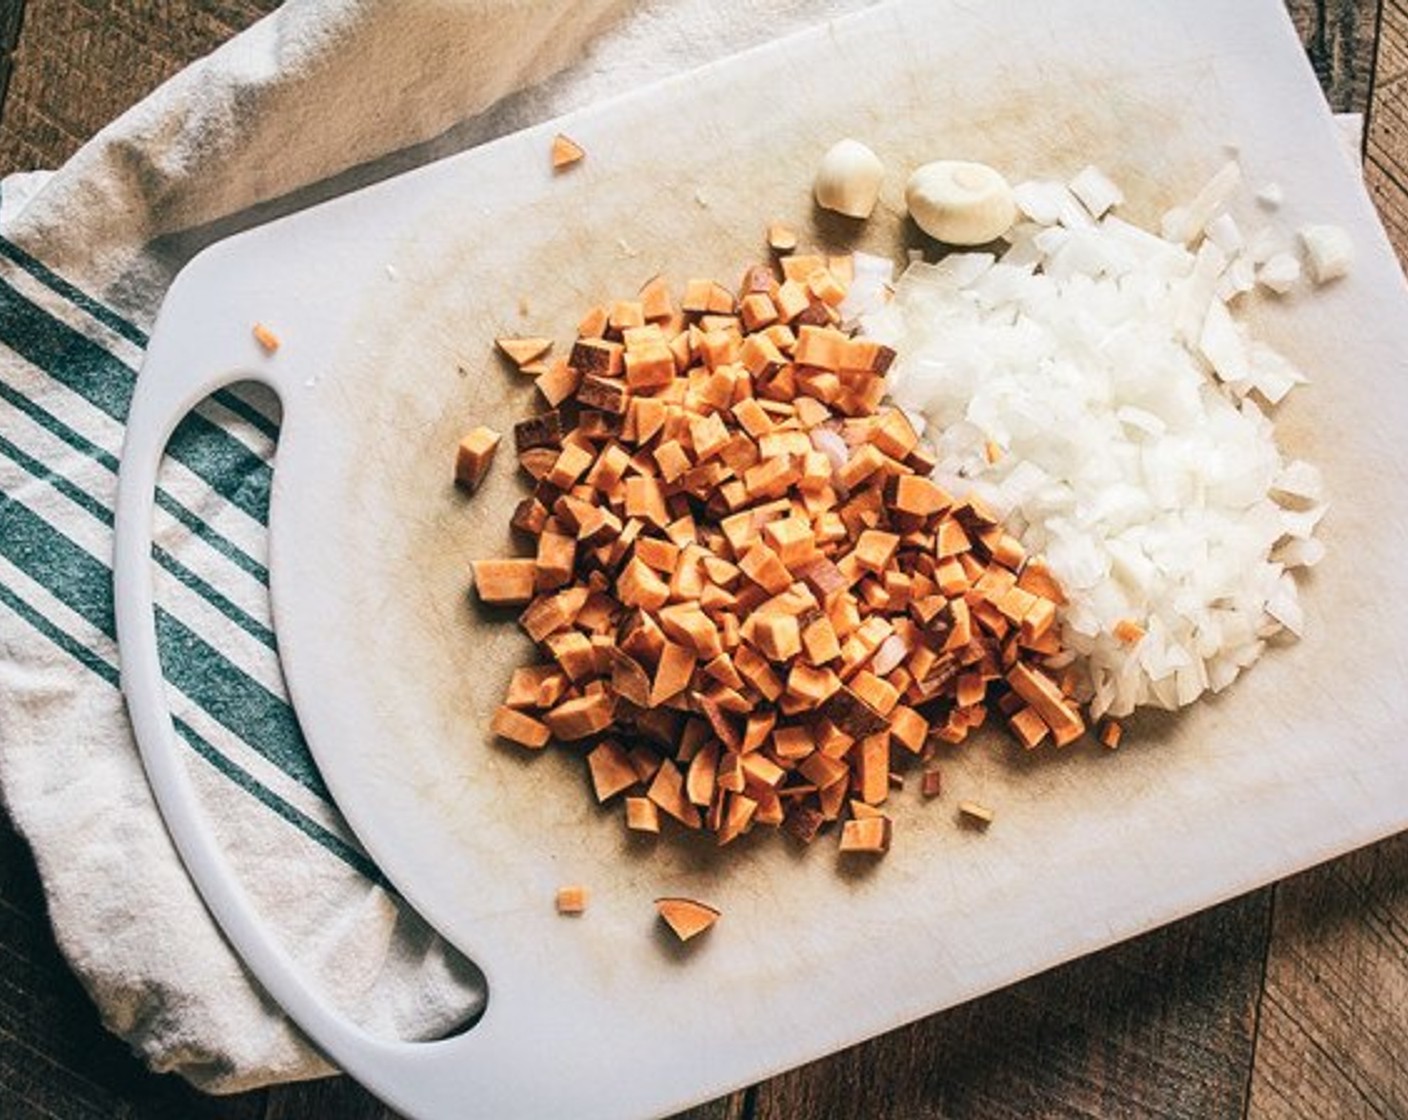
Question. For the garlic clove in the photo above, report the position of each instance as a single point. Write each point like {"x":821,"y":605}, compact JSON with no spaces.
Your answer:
{"x":848,"y":179}
{"x":960,"y":203}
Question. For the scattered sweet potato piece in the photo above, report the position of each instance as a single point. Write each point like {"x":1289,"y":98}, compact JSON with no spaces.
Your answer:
{"x":976,"y":814}
{"x":474,"y":456}
{"x":565,"y":152}
{"x":572,"y":899}
{"x":866,"y":834}
{"x":686,"y":917}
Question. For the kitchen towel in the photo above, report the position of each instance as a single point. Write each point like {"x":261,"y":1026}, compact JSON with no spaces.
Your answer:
{"x":320,"y":97}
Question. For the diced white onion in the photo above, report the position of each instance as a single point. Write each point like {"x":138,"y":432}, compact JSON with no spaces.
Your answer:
{"x":1105,"y":360}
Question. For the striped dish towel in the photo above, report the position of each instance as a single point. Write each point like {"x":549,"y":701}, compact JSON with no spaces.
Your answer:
{"x":85,"y":256}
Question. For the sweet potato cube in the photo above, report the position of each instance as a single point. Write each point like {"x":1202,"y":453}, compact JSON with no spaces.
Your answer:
{"x":1038,"y":620}
{"x":777,"y":636}
{"x":793,"y":742}
{"x":875,"y":549}
{"x":919,"y":496}
{"x":751,"y":417}
{"x":558,"y":382}
{"x":763,"y":567}
{"x":952,"y":539}
{"x":572,"y":899}
{"x":868,"y":835}
{"x":1036,"y":577}
{"x":672,"y":459}
{"x":1028,"y":726}
{"x":809,"y":686}
{"x":596,"y":357}
{"x":754,"y":668}
{"x":526,"y":683}
{"x":822,"y":770}
{"x":660,"y":555}
{"x":569,"y":466}
{"x":645,"y":499}
{"x":673,"y":672}
{"x":655,"y":301}
{"x":1043,"y":694}
{"x":760,"y":771}
{"x":792,"y":540}
{"x":739,"y":810}
{"x":686,"y":917}
{"x":611,"y":770}
{"x":474,"y":456}
{"x":864,"y":462}
{"x":603,"y":393}
{"x":581,"y":717}
{"x":504,"y":581}
{"x":824,"y":285}
{"x":690,"y":626}
{"x":557,"y":553}
{"x":519,"y":728}
{"x":638,"y":586}
{"x":873,"y":768}
{"x":819,"y":641}
{"x":702,"y":775}
{"x":894,"y":434}
{"x":908,"y":728}
{"x":819,"y":346}
{"x":565,"y":152}
{"x":667,"y":792}
{"x":547,"y":614}
{"x":642,"y":815}
{"x":649,"y":367}
{"x":708,"y":434}
{"x":975,"y":814}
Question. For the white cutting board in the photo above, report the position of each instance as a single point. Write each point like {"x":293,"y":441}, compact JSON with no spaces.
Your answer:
{"x":394,"y":671}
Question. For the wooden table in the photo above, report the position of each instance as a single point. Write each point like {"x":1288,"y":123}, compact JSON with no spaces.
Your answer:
{"x":1289,"y":1002}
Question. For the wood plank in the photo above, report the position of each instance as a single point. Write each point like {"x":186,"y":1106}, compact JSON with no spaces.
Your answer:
{"x":1159,"y":1026}
{"x":56,"y":1059}
{"x":80,"y":63}
{"x":1334,"y":1031}
{"x":1339,"y":37}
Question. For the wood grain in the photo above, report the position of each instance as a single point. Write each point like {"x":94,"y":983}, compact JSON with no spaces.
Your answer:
{"x":1334,"y":1014}
{"x":1161,"y":1026}
{"x":80,"y":63}
{"x":1290,"y":1002}
{"x":11,"y":15}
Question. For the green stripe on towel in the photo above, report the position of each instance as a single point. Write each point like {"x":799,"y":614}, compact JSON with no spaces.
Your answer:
{"x":86,"y":447}
{"x":81,"y":498}
{"x":330,"y":841}
{"x":195,"y":667}
{"x":76,"y":361}
{"x":121,"y":326}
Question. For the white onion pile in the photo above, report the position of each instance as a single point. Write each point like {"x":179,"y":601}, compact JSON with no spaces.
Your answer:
{"x":1104,"y":365}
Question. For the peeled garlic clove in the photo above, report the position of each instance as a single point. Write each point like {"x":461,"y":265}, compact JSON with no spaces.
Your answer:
{"x":848,"y":179}
{"x":960,"y":203}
